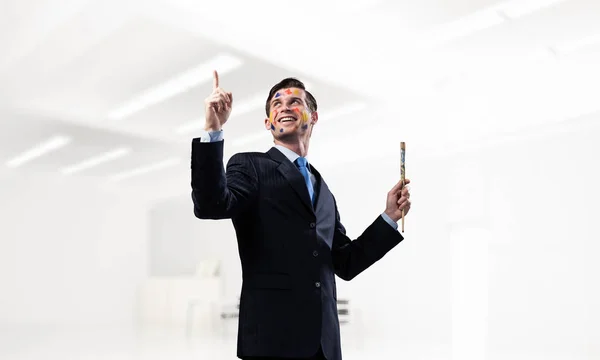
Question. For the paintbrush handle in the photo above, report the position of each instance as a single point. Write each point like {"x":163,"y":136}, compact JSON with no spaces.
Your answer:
{"x":402,"y":171}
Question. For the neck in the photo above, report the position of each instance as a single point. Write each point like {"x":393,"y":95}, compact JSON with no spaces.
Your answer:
{"x":300,"y":146}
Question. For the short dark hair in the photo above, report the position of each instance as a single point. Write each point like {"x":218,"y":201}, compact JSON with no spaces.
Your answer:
{"x":289,"y":83}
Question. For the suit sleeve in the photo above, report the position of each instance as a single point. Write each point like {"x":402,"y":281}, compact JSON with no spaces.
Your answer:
{"x":216,"y":193}
{"x":351,"y":257}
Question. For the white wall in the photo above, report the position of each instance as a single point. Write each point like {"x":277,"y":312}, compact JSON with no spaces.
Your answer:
{"x":179,"y":242}
{"x":69,"y":253}
{"x":543,"y":291}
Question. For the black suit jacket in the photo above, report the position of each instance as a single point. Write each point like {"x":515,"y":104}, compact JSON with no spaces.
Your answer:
{"x":289,"y":250}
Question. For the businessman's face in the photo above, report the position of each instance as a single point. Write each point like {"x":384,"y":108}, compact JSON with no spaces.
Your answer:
{"x":289,"y":114}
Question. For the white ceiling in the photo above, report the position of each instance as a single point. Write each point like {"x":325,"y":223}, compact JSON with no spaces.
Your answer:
{"x":65,"y":65}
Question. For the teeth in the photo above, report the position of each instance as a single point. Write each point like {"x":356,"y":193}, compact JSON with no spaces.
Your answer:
{"x":286,"y":119}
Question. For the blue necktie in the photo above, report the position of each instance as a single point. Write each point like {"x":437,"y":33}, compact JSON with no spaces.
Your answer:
{"x":301,"y":163}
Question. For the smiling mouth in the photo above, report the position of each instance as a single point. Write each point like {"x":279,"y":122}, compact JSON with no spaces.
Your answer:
{"x":287,"y":119}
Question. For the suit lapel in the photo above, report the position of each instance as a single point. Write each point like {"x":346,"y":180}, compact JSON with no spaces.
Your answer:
{"x":291,"y":173}
{"x":320,"y":187}
{"x":324,"y":208}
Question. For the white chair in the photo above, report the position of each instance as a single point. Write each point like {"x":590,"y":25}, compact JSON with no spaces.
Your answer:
{"x":181,"y":301}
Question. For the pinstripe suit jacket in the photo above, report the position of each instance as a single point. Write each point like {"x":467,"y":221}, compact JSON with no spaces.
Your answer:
{"x":290,"y":251}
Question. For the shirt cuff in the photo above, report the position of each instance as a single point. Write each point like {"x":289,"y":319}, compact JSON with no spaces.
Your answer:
{"x":210,"y":136}
{"x":389,"y":221}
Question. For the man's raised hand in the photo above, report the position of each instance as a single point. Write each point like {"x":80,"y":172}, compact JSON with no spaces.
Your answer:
{"x":217,"y":106}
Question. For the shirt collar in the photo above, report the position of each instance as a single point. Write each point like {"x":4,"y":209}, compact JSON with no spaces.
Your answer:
{"x":292,"y":156}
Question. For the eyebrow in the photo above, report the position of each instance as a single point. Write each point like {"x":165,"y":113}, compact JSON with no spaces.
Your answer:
{"x":279,"y":99}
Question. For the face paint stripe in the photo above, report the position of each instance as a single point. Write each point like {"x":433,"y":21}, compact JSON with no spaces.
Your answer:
{"x":273,"y":116}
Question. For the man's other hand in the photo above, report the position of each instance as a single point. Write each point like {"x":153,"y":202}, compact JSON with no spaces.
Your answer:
{"x":398,"y":199}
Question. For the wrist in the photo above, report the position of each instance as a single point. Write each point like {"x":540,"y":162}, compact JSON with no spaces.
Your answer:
{"x":391,"y":215}
{"x":210,"y":128}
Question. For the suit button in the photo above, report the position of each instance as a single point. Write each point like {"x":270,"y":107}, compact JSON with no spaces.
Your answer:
{"x":312,"y":225}
{"x":318,"y":284}
{"x":315,"y":253}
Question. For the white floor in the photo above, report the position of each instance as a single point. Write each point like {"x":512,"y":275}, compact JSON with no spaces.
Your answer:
{"x":106,"y":343}
{"x":153,"y":344}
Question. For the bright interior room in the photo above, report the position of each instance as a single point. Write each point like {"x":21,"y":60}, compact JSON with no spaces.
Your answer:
{"x":498,"y":102}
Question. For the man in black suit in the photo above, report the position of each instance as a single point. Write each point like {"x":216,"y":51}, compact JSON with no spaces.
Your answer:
{"x":290,"y":239}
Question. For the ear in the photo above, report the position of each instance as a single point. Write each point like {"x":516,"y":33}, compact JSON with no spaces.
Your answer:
{"x":314,"y":117}
{"x":268,"y":124}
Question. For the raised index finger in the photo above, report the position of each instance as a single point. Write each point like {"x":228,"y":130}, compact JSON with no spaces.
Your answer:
{"x":215,"y":79}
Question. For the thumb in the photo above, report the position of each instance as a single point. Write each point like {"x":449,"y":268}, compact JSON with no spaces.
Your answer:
{"x":396,"y":187}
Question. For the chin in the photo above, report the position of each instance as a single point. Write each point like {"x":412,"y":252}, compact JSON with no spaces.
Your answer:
{"x":288,"y":135}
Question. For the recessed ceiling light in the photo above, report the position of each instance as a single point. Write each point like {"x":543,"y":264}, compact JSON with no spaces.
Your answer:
{"x":43,"y":148}
{"x":222,"y":63}
{"x":96,"y":160}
